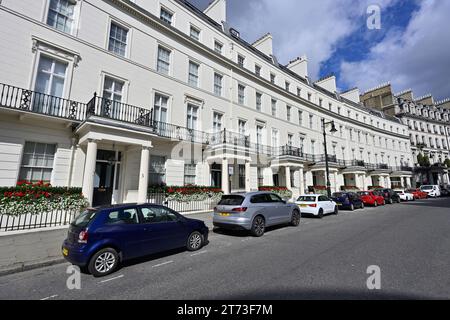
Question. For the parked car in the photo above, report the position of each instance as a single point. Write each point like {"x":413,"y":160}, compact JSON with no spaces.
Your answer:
{"x":317,"y":205}
{"x":347,"y":200}
{"x":433,"y":191}
{"x":99,"y":239}
{"x":418,"y":195}
{"x":389,"y":195}
{"x":254,"y":211}
{"x":371,"y":198}
{"x":445,"y":192}
{"x":404,"y":196}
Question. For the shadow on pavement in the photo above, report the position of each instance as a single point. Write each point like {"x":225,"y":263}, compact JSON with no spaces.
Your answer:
{"x":244,"y":233}
{"x":322,"y":294}
{"x":165,"y":254}
{"x":433,"y":203}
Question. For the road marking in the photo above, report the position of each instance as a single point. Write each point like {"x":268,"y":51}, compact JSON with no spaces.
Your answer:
{"x":107,"y":280}
{"x":199,"y":253}
{"x":50,"y":297}
{"x":162,"y":264}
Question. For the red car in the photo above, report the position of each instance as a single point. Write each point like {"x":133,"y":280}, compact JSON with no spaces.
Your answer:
{"x":418,"y":194}
{"x":371,"y":198}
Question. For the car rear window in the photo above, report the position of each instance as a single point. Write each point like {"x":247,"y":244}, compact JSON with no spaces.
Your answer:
{"x":84,"y":218}
{"x":307,"y":198}
{"x":427,"y":187}
{"x":231,"y":200}
{"x":338,"y":195}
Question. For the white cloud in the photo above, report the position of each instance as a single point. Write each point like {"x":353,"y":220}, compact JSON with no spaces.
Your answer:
{"x":418,"y":58}
{"x":298,"y":27}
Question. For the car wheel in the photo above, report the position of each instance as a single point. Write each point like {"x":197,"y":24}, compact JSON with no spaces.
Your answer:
{"x":295,"y":219}
{"x":103,"y":262}
{"x":375,"y":204}
{"x":390,"y":201}
{"x":362,"y":205}
{"x":352,"y":207}
{"x":320,"y":215}
{"x":258,"y":226}
{"x":195,"y":241}
{"x":398,"y":200}
{"x":336,"y":210}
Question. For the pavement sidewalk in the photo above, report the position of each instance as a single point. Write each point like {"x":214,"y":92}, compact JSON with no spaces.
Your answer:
{"x":206,"y":217}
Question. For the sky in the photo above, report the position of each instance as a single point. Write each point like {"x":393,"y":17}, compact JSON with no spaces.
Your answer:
{"x":410,"y":49}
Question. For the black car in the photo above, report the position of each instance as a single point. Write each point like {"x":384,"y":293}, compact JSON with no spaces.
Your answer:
{"x":390,"y":196}
{"x":445,"y":192}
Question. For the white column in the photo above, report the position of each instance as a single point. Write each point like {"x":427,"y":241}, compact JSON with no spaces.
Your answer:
{"x":225,"y":177}
{"x":143,"y":175}
{"x":388,"y":182}
{"x":337,"y":187}
{"x":302,"y":181}
{"x":248,"y":186}
{"x":89,"y":171}
{"x":381,"y":181}
{"x":288,"y":178}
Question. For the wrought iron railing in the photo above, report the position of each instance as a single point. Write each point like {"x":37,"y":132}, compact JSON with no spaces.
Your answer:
{"x":114,"y":110}
{"x":292,"y":151}
{"x":332,"y":159}
{"x":403,"y":168}
{"x":171,"y":131}
{"x":228,"y":137}
{"x":355,"y":163}
{"x":379,"y":166}
{"x":36,"y":102}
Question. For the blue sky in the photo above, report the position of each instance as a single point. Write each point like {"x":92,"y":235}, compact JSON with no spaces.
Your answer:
{"x":411,"y":50}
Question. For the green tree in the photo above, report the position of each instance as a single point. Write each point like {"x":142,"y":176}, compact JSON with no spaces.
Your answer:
{"x":447,"y":163}
{"x":423,"y":160}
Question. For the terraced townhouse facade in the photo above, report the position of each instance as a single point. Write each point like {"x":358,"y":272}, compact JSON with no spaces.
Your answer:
{"x":428,"y":122}
{"x":115,"y":96}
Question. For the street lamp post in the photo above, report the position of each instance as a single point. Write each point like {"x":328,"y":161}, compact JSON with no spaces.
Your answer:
{"x":333,"y":130}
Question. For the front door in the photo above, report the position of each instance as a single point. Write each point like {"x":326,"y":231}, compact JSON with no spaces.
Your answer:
{"x":216,"y":175}
{"x":103,"y":184}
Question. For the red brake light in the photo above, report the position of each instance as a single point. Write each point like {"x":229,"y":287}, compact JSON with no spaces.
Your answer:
{"x":240,"y":209}
{"x":313,"y":205}
{"x":83,"y":237}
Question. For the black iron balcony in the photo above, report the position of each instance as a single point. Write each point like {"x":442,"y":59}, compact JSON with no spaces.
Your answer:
{"x":228,"y":137}
{"x":291,"y":151}
{"x":379,"y":166}
{"x":114,"y":110}
{"x":402,"y":168}
{"x":332,"y":159}
{"x":39,"y":103}
{"x":355,"y":163}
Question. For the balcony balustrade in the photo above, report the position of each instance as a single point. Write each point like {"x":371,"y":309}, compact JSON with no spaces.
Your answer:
{"x":39,"y":103}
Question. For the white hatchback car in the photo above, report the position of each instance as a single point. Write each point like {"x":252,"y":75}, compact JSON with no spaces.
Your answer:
{"x":317,"y":205}
{"x":433,"y":191}
{"x":404,"y":196}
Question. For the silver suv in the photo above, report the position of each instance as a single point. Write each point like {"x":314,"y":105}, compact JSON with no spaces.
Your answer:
{"x":254,"y":211}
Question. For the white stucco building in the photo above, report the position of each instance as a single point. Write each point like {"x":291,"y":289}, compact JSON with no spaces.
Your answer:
{"x":180,"y":99}
{"x":428,"y":122}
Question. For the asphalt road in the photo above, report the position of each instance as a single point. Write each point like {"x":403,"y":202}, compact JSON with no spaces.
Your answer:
{"x":325,"y":258}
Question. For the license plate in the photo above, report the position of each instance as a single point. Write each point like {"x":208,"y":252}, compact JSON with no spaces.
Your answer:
{"x":65,"y":252}
{"x":303,"y":205}
{"x":225,"y":214}
{"x":339,"y":204}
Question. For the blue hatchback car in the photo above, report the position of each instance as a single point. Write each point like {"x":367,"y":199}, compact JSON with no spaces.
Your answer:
{"x":100,"y":238}
{"x":347,"y":200}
